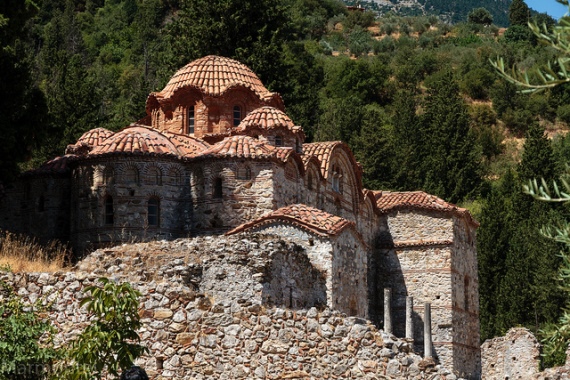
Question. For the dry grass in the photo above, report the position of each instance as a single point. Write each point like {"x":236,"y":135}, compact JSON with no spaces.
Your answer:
{"x":20,"y":253}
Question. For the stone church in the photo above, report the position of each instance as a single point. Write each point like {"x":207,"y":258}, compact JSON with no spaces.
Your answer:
{"x":216,"y":153}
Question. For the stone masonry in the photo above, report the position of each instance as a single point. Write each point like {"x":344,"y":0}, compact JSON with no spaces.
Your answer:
{"x":205,"y":314}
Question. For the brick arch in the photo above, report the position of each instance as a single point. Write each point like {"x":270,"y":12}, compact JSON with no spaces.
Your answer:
{"x":152,"y":174}
{"x":340,"y":159}
{"x":174,"y":175}
{"x":129,"y":173}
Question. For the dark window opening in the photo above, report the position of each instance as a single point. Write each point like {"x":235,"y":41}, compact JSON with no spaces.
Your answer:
{"x":41,"y":204}
{"x":237,"y":115}
{"x":466,"y":293}
{"x":218,"y":188}
{"x":310,"y":181}
{"x":247,"y":173}
{"x":191,"y":119}
{"x":153,"y":215}
{"x":278,"y":140}
{"x":109,"y":211}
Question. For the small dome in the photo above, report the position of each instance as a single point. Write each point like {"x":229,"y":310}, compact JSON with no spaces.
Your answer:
{"x":95,"y":137}
{"x":139,"y":140}
{"x":267,"y":118}
{"x":214,"y":75}
{"x":241,"y":147}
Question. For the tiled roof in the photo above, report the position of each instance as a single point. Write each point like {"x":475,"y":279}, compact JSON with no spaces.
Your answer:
{"x":58,"y":165}
{"x":323,"y":151}
{"x":389,"y":201}
{"x":138,"y":140}
{"x":95,"y":137}
{"x":267,"y":118}
{"x":214,"y":75}
{"x":243,"y":147}
{"x":309,"y":218}
{"x":187,"y":146}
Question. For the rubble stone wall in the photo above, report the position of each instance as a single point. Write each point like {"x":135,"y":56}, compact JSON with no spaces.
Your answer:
{"x":204,"y":318}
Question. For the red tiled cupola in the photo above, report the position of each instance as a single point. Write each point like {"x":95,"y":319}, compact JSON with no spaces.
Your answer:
{"x":270,"y":121}
{"x":137,"y":140}
{"x":214,"y":75}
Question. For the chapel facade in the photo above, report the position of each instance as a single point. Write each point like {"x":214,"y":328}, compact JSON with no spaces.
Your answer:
{"x":216,"y":153}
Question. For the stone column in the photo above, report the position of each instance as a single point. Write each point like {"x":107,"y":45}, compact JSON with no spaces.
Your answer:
{"x":409,"y":318}
{"x":388,"y":310}
{"x":427,"y":330}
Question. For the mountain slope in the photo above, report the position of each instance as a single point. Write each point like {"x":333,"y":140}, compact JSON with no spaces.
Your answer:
{"x":452,"y":11}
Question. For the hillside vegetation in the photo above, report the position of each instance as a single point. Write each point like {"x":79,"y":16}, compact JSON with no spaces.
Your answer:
{"x":416,"y":99}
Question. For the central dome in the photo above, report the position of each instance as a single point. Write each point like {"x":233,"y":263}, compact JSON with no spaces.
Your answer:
{"x":214,"y":75}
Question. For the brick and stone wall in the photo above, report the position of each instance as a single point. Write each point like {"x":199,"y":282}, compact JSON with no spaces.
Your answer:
{"x":432,"y":258}
{"x":204,"y":315}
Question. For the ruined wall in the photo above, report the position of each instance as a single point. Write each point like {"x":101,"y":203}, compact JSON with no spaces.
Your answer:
{"x":514,"y":356}
{"x":341,"y":259}
{"x":204,"y":318}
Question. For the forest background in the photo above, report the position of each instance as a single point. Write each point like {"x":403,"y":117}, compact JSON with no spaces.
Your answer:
{"x":415,"y":97}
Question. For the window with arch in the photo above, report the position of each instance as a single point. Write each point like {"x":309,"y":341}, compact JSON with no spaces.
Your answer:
{"x":237,"y":115}
{"x":153,"y":212}
{"x":131,"y":175}
{"x":218,"y":188}
{"x":278,"y":140}
{"x":108,"y":176}
{"x":109,"y":211}
{"x":310,"y":181}
{"x":154,"y":176}
{"x":191,"y":119}
{"x":337,"y":179}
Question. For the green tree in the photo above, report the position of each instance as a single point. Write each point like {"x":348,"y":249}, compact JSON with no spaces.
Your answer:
{"x":251,"y":31}
{"x":23,"y":108}
{"x":519,"y":13}
{"x":480,"y":16}
{"x":450,"y":161}
{"x":110,"y":342}
{"x":26,"y":337}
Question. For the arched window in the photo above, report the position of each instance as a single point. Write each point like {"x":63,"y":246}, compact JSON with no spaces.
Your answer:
{"x":218,"y":188}
{"x":278,"y":140}
{"x":310,"y":181}
{"x":109,"y":211}
{"x":247,"y":173}
{"x":153,"y":214}
{"x":108,"y":176}
{"x":131,"y":175}
{"x":154,"y":176}
{"x":237,"y":115}
{"x":191,"y":120}
{"x":337,"y":179}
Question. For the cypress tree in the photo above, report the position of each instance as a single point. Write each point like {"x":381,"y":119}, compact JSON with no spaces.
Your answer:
{"x":449,"y":157}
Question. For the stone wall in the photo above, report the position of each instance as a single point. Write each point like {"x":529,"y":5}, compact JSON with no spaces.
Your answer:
{"x":431,"y":257}
{"x":204,"y":316}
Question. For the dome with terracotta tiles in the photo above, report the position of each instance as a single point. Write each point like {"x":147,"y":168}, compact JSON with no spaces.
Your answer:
{"x":137,"y":140}
{"x":213,"y":76}
{"x":268,"y":118}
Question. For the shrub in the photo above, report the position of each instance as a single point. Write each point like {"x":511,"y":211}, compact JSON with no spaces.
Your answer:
{"x":563,"y":113}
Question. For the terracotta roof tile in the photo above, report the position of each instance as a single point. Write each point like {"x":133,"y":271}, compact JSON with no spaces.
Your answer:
{"x":139,"y":140}
{"x":214,"y":75}
{"x":390,"y":201}
{"x":95,"y":137}
{"x":187,"y":146}
{"x":322,"y":151}
{"x":245,"y":147}
{"x":309,"y":218}
{"x":268,"y":118}
{"x":58,"y":165}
